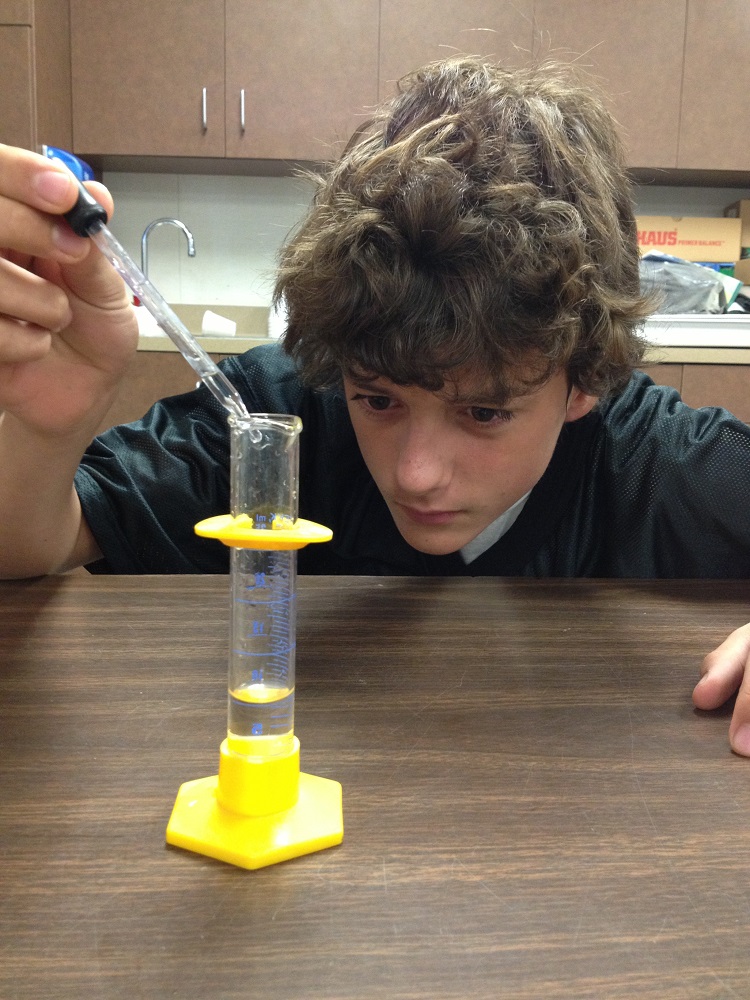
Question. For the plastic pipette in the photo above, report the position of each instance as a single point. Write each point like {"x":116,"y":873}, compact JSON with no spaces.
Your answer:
{"x":88,"y":218}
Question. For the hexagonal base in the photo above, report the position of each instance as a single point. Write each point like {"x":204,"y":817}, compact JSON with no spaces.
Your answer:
{"x":199,"y":823}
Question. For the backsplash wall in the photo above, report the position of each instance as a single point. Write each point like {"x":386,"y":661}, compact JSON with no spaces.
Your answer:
{"x":239,"y":224}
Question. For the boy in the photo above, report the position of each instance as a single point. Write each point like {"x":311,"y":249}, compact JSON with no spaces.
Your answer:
{"x":463,"y":304}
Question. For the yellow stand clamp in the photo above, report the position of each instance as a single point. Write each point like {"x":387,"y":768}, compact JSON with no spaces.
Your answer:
{"x":239,"y":532}
{"x":258,"y":811}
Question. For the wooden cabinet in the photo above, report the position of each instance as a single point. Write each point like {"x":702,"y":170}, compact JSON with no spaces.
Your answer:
{"x":665,"y":374}
{"x":17,"y":124}
{"x":143,"y":75}
{"x":419,"y":31}
{"x":718,"y":385}
{"x":306,"y":68}
{"x":634,"y":48}
{"x":152,"y":375}
{"x":149,"y":79}
{"x":173,"y":79}
{"x":715,"y":86}
{"x":35,"y":73}
{"x":708,"y":385}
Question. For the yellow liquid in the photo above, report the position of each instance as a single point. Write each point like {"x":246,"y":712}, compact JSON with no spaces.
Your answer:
{"x":261,"y":720}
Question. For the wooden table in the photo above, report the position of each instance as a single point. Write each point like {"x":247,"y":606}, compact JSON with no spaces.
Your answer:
{"x":532,"y":807}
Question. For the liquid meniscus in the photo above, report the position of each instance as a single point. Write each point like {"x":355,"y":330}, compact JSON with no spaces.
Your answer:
{"x":261,"y":720}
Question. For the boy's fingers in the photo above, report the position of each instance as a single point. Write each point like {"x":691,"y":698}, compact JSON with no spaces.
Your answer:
{"x":25,"y":231}
{"x":32,"y":189}
{"x":36,"y":181}
{"x":722,"y":670}
{"x":29,"y":298}
{"x":739,"y":728}
{"x":725,"y":671}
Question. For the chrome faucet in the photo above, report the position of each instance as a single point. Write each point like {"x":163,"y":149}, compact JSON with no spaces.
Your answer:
{"x":163,"y":222}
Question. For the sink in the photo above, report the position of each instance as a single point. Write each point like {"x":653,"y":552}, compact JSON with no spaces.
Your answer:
{"x":252,"y":321}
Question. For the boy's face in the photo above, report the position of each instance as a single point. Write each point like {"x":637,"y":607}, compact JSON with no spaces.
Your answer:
{"x":449,"y":463}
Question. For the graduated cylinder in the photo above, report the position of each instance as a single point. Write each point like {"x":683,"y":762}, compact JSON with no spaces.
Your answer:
{"x":260,"y":809}
{"x":264,"y":488}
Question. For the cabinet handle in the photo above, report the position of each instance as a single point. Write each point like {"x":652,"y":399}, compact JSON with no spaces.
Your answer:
{"x":242,"y":111}
{"x":204,"y":111}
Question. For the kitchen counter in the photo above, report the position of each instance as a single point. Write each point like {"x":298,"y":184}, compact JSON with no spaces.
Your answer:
{"x":212,"y":345}
{"x":251,"y":328}
{"x":677,"y":339}
{"x":699,"y":339}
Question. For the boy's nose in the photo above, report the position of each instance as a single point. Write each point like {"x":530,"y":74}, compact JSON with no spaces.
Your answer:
{"x":423,"y":463}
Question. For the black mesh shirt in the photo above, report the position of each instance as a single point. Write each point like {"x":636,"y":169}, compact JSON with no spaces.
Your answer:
{"x":644,"y":486}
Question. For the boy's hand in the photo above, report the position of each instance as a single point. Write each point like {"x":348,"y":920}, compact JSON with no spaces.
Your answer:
{"x":724,"y":671}
{"x":66,"y":326}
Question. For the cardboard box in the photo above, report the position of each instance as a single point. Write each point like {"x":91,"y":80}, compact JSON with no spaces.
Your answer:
{"x":691,"y":237}
{"x":742,"y":271}
{"x":741,"y":210}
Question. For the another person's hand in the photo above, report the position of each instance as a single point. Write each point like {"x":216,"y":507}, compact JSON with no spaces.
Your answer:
{"x":66,"y":326}
{"x":724,"y":671}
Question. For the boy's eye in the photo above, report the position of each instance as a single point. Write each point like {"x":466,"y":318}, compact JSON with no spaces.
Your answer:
{"x":488,"y":415}
{"x":374,"y":402}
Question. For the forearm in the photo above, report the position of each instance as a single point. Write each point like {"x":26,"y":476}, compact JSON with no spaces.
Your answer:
{"x":41,"y":526}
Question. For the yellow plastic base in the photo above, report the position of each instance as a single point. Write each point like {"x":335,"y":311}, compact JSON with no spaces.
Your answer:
{"x":219,"y":816}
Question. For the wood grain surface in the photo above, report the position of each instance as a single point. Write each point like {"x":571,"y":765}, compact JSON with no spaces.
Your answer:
{"x":532,"y":807}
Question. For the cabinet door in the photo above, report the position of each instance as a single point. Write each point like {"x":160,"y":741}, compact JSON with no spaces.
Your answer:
{"x":16,"y":87}
{"x":665,"y":373}
{"x":151,"y":375}
{"x":54,"y":123}
{"x":307,"y":68}
{"x":715,"y":86}
{"x":139,"y":73}
{"x":634,"y":50}
{"x":415,"y":32}
{"x":718,"y":385}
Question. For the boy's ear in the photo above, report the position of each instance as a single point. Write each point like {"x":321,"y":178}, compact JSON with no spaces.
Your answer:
{"x":579,"y":404}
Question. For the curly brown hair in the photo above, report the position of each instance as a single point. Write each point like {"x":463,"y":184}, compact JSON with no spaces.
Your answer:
{"x":482,"y":220}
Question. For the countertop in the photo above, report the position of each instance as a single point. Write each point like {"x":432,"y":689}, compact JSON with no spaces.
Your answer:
{"x":677,"y":339}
